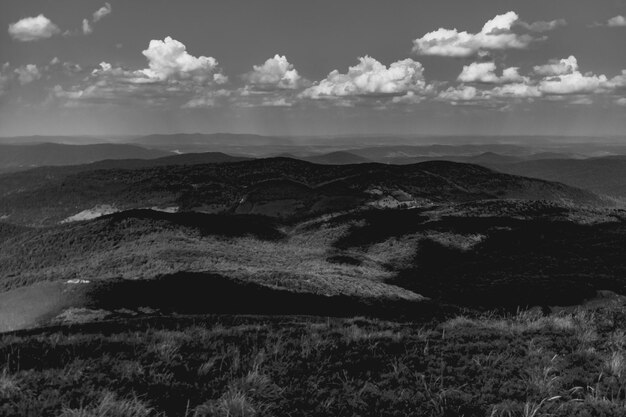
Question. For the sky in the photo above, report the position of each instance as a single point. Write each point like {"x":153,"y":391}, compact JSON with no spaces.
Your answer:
{"x":313,"y":67}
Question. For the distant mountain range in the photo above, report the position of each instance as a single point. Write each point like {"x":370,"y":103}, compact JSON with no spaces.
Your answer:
{"x":15,"y":157}
{"x":601,"y":175}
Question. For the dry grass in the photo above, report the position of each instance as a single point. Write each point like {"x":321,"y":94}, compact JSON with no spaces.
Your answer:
{"x":110,"y":406}
{"x":8,"y":385}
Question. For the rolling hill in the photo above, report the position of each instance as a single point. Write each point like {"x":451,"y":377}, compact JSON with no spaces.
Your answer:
{"x":599,"y":175}
{"x":385,"y":263}
{"x":336,"y":158}
{"x":48,"y":196}
{"x":16,"y":157}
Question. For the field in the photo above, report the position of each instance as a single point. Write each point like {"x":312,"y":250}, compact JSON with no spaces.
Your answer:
{"x":526,"y":364}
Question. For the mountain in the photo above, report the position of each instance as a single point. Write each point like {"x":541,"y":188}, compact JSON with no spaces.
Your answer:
{"x":420,"y":153}
{"x":217,"y":142}
{"x":408,"y":263}
{"x":605,"y":175}
{"x":336,"y":158}
{"x":277,"y":186}
{"x":15,"y":157}
{"x":181,"y":159}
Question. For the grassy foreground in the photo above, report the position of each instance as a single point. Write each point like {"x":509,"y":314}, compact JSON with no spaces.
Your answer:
{"x":567,"y":364}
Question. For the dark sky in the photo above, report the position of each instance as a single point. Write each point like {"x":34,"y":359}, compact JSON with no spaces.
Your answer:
{"x":317,"y":67}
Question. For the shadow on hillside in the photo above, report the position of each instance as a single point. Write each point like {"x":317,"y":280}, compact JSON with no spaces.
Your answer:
{"x":204,"y":293}
{"x":519,"y":263}
{"x":226,"y":225}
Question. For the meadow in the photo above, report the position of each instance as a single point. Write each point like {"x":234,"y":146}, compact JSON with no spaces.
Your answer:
{"x":571,"y":363}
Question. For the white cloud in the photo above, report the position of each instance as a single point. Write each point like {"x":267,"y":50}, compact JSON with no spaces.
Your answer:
{"x":370,"y":78}
{"x":460,"y":93}
{"x":209,"y":99}
{"x":584,"y":100}
{"x":558,"y":67}
{"x":409,"y":98}
{"x":485,"y":72}
{"x":621,"y":101}
{"x":540,"y":27}
{"x":173,"y":78}
{"x":87,"y":29}
{"x":574,"y":83}
{"x":33,"y":29}
{"x":496,"y":34}
{"x":617,"y":21}
{"x":169,"y":59}
{"x":5,"y":77}
{"x":26,"y":74}
{"x":276,"y":102}
{"x":516,"y":90}
{"x":102,"y":12}
{"x":275,"y":73}
{"x":619,"y":81}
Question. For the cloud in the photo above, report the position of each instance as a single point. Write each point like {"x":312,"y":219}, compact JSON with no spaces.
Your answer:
{"x":621,"y":101}
{"x":33,"y":29}
{"x":497,"y":34}
{"x":102,"y":12}
{"x":371,"y":78}
{"x":87,"y":29}
{"x":541,"y":27}
{"x":619,"y":81}
{"x":574,"y":83}
{"x":485,"y":72}
{"x":516,"y":90}
{"x":409,"y":98}
{"x":169,"y":59}
{"x":275,"y":74}
{"x":173,"y":78}
{"x":209,"y":99}
{"x":559,"y":79}
{"x":617,"y":21}
{"x":557,"y":67}
{"x":26,"y":74}
{"x":5,"y":78}
{"x":460,"y":93}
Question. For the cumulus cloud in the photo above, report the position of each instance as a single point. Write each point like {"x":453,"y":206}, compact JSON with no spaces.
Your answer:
{"x":541,"y":26}
{"x":485,"y":72}
{"x":371,"y":78}
{"x":33,"y":29}
{"x":460,"y":93}
{"x":102,"y":12}
{"x":557,"y":67}
{"x":617,"y":21}
{"x":275,"y":74}
{"x":26,"y":74}
{"x":498,"y":33}
{"x":87,"y":29}
{"x":169,"y":59}
{"x":619,"y":81}
{"x":208,"y":99}
{"x":173,"y":77}
{"x":559,"y":79}
{"x":5,"y":78}
{"x":621,"y":101}
{"x":516,"y":90}
{"x":574,"y":83}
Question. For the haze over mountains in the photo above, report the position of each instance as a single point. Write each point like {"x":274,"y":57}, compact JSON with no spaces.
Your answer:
{"x":14,"y":157}
{"x":593,"y":165}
